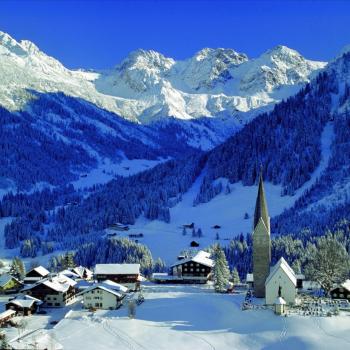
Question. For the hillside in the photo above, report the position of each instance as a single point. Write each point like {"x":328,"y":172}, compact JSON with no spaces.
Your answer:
{"x":297,"y":143}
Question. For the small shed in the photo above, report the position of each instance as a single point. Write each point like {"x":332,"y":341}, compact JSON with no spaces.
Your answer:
{"x":280,"y":306}
{"x":6,"y":316}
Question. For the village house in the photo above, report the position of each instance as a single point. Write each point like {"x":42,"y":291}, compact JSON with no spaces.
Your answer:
{"x":104,"y":295}
{"x":36,"y":274}
{"x":6,"y":316}
{"x":196,"y":269}
{"x":281,"y":282}
{"x":74,"y":276}
{"x":127,"y":274}
{"x":83,"y":272}
{"x":54,"y":291}
{"x":9,"y":284}
{"x":341,"y":291}
{"x":24,"y":305}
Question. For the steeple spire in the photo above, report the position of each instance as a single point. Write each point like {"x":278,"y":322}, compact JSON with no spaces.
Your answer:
{"x":261,"y":205}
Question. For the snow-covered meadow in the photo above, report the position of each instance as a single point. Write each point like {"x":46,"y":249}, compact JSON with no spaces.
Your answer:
{"x":194,"y":317}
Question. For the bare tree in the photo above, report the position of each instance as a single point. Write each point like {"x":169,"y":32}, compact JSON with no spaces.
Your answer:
{"x":131,"y":309}
{"x":329,"y":264}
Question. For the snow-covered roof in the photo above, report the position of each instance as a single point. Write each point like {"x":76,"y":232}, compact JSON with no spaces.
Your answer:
{"x":249,"y":277}
{"x":345,"y":285}
{"x":4,"y":279}
{"x":80,"y":270}
{"x":282,"y":264}
{"x":58,"y":283}
{"x":280,"y":301}
{"x":103,"y":287}
{"x":201,"y":257}
{"x":117,"y":269}
{"x":70,"y":274}
{"x":25,"y":301}
{"x":7,"y":313}
{"x":40,"y":270}
{"x":114,"y":286}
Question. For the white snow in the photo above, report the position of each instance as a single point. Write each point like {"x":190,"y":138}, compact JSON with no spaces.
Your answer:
{"x":147,"y":85}
{"x":194,"y":317}
{"x":108,"y":170}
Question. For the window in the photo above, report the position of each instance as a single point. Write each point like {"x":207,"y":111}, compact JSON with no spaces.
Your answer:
{"x":48,"y":298}
{"x":88,"y":298}
{"x":341,"y":295}
{"x":49,"y":304}
{"x":335,"y":295}
{"x":191,"y":270}
{"x":54,"y":298}
{"x":197,"y":270}
{"x":203,"y":270}
{"x":57,"y":304}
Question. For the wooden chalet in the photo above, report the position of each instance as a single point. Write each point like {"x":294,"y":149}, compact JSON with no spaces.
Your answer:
{"x":127,"y":274}
{"x":9,"y":284}
{"x":196,"y":269}
{"x":342,"y":291}
{"x":54,"y":291}
{"x":36,"y":274}
{"x":24,"y":305}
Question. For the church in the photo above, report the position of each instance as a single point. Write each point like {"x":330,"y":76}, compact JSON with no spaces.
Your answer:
{"x":280,"y":280}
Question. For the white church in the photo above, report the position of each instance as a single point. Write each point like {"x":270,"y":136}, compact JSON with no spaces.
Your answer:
{"x":277,"y":284}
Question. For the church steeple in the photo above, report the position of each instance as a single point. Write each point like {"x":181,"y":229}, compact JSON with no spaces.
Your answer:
{"x":261,"y":206}
{"x":261,"y":242}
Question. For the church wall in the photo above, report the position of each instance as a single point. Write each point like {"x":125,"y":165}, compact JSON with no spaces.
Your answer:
{"x":288,"y":291}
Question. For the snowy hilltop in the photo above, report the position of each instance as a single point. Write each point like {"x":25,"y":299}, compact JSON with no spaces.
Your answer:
{"x":147,"y":86}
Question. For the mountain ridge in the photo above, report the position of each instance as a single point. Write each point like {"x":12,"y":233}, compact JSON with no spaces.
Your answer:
{"x":147,"y":86}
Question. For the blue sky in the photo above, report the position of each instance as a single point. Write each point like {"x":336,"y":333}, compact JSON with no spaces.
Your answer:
{"x":99,"y":34}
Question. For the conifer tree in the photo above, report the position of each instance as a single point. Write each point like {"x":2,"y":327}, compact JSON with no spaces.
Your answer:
{"x":235,"y":276}
{"x":221,"y":271}
{"x":17,"y":268}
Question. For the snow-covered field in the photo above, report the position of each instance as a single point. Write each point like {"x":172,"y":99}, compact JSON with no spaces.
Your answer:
{"x":194,"y":317}
{"x":108,"y":170}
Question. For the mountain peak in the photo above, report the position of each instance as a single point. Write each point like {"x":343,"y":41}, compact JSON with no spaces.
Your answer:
{"x":222,"y":54}
{"x":146,"y":58}
{"x":282,"y":50}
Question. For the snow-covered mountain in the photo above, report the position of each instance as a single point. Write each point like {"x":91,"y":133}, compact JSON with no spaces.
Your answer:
{"x":147,"y":86}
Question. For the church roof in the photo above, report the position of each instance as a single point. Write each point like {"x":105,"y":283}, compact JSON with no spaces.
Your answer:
{"x":261,"y":205}
{"x":282,"y":263}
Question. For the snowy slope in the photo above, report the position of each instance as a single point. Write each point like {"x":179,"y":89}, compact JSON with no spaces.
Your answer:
{"x":166,"y":240}
{"x":147,"y":86}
